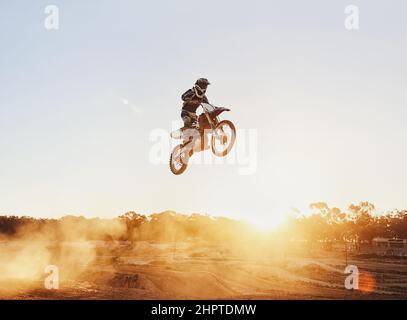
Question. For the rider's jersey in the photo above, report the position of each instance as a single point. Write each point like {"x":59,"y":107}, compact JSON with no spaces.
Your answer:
{"x":192,"y":101}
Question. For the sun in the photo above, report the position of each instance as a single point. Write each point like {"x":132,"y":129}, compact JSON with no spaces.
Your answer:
{"x":267,"y":223}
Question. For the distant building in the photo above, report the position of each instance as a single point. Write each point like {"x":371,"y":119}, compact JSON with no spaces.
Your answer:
{"x":389,"y":247}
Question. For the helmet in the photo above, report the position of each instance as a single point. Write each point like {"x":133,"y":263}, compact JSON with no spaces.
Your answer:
{"x":201,"y":85}
{"x":202,"y":82}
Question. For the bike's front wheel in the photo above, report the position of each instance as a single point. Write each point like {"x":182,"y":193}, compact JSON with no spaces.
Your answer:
{"x":223,"y":138}
{"x":178,"y":160}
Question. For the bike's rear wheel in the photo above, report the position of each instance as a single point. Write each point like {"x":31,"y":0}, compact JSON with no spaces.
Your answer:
{"x":178,"y":160}
{"x":223,"y":138}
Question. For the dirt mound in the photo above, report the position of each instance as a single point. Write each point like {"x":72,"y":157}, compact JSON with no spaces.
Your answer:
{"x":145,"y":248}
{"x":131,"y":281}
{"x":193,"y":285}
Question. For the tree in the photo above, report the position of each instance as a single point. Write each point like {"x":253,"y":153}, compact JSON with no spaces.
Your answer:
{"x":363,"y":222}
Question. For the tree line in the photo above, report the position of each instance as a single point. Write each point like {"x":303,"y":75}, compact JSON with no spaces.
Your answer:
{"x":359,"y":222}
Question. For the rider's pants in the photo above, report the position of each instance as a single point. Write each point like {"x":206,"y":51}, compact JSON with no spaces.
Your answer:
{"x":190,"y":119}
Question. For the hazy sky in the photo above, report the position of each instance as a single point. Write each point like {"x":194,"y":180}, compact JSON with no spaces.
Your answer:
{"x":328,"y":104}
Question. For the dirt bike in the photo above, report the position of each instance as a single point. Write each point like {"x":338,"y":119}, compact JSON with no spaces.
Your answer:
{"x":222,"y":136}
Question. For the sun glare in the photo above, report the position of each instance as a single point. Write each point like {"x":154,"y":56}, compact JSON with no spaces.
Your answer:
{"x":268,"y":223}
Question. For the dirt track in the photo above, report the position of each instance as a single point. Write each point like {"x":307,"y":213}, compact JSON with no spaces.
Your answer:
{"x":199,"y":271}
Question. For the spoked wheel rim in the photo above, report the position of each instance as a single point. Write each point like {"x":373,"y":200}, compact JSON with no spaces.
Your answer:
{"x":223,"y":138}
{"x":178,"y":163}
